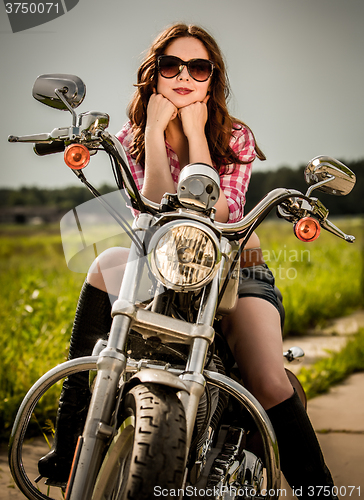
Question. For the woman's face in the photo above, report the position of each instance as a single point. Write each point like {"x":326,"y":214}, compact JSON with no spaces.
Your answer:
{"x":183,"y":90}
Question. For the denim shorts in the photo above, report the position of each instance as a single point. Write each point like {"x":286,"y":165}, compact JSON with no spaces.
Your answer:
{"x":258,"y":281}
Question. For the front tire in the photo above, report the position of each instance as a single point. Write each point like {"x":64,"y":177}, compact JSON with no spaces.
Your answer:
{"x":147,"y":456}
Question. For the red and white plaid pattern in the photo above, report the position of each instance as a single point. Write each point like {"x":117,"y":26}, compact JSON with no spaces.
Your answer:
{"x":234,"y":182}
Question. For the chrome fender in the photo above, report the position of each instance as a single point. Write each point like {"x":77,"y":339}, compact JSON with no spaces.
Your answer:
{"x":160,"y":377}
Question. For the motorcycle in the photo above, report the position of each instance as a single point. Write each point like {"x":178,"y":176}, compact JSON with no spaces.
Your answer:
{"x":169,"y":415}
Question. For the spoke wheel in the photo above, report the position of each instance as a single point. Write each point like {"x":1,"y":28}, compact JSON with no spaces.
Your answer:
{"x":147,"y":455}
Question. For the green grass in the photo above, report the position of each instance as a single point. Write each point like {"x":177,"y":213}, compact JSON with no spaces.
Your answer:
{"x":326,"y":372}
{"x":39,"y":295}
{"x":38,"y":301}
{"x":318,"y":280}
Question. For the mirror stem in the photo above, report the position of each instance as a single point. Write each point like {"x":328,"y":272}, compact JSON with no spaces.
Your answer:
{"x":59,"y":94}
{"x":315,"y":186}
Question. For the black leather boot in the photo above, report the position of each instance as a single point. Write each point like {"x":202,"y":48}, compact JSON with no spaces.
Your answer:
{"x":92,"y":322}
{"x":302,"y":462}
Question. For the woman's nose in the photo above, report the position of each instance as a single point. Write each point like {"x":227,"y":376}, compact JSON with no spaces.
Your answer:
{"x":184,"y":75}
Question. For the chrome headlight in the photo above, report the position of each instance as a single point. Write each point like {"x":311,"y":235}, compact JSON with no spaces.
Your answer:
{"x":184,"y":256}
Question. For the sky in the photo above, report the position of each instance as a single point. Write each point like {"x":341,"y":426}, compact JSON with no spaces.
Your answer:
{"x":296,"y":69}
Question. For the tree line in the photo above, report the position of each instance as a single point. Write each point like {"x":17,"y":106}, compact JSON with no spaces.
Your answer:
{"x":261,"y":183}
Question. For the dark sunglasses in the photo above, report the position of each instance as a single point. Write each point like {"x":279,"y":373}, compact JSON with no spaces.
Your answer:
{"x":198,"y":69}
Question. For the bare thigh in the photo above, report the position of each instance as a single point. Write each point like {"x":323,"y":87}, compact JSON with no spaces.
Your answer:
{"x":253,"y":332}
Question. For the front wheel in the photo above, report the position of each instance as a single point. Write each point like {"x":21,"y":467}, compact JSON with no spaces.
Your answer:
{"x":147,"y":456}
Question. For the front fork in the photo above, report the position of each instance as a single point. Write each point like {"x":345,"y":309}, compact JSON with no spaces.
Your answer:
{"x":111,"y":366}
{"x":193,"y":377}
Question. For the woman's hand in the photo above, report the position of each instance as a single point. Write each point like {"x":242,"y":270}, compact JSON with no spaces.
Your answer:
{"x":157,"y":174}
{"x":194,"y":118}
{"x":160,"y":112}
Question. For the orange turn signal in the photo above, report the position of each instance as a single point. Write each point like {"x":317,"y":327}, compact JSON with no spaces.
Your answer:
{"x":307,"y":229}
{"x":77,"y":156}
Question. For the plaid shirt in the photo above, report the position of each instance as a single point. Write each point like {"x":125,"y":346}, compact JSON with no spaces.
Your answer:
{"x":234,"y":182}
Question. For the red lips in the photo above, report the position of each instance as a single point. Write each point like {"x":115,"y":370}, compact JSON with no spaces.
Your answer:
{"x":182,"y":90}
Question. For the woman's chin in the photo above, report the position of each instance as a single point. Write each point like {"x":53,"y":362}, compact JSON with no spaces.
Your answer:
{"x":182,"y":101}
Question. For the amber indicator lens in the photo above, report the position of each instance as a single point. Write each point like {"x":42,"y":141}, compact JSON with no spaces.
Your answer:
{"x":76,"y":156}
{"x":307,"y":229}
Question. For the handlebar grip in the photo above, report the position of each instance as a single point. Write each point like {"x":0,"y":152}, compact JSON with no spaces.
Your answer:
{"x":48,"y":149}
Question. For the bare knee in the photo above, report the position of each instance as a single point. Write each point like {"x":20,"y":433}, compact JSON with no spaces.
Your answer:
{"x":271,"y":390}
{"x":107,"y":270}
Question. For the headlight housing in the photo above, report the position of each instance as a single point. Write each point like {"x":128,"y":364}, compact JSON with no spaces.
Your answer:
{"x":184,"y":256}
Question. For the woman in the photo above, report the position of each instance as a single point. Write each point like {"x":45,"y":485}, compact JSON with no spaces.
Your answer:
{"x":178,"y":116}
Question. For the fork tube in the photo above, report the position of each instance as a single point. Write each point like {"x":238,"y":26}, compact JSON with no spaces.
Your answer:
{"x":195,"y":382}
{"x":129,"y":286}
{"x":193,"y":377}
{"x":206,"y":316}
{"x":110,"y":366}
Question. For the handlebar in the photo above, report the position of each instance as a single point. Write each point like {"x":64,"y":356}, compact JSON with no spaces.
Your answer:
{"x":275,"y":198}
{"x":55,"y":142}
{"x":256,"y":215}
{"x":48,"y":149}
{"x":272,"y":199}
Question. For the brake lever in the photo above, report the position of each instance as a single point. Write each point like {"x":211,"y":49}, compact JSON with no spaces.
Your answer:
{"x":62,"y":133}
{"x":331,"y":228}
{"x":36,"y":139}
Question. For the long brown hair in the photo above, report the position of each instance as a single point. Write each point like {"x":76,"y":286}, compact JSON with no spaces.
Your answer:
{"x":219,"y":124}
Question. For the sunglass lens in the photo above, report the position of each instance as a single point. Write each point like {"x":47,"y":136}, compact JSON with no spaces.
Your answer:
{"x":200,"y":69}
{"x":169,"y":66}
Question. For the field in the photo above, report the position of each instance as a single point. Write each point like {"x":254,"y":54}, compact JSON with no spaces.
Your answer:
{"x":319,"y":280}
{"x":39,"y":294}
